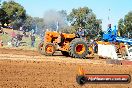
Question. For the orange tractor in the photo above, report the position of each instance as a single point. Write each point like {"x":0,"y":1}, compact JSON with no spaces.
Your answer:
{"x":68,"y":44}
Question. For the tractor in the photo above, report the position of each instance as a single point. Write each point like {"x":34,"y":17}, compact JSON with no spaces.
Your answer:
{"x":68,"y":44}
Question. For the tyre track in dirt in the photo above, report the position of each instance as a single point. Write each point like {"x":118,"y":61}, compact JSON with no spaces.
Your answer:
{"x":30,"y":55}
{"x":29,"y":69}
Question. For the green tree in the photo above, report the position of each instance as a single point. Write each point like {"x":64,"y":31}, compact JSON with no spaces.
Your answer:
{"x":28,"y":23}
{"x":68,"y":29}
{"x":125,"y":25}
{"x":3,"y":17}
{"x":85,"y":18}
{"x":39,"y":23}
{"x":14,"y":12}
{"x":33,"y":23}
{"x":121,"y":27}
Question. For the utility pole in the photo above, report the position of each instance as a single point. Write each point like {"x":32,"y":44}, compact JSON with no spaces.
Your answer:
{"x":57,"y":26}
{"x":109,"y":15}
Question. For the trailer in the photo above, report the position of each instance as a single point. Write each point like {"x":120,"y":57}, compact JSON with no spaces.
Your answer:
{"x":114,"y":47}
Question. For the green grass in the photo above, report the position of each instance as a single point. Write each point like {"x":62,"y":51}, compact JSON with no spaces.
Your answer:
{"x":28,"y":41}
{"x":7,"y":38}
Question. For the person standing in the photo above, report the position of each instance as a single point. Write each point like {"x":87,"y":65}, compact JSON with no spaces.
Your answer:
{"x":32,"y":40}
{"x":13,"y":34}
{"x":1,"y":29}
{"x":1,"y":42}
{"x":13,"y":38}
{"x":21,"y":28}
{"x":19,"y":38}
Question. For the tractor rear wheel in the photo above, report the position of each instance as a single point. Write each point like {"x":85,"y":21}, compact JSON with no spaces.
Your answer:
{"x":65,"y":53}
{"x":49,"y":49}
{"x":78,"y":48}
{"x":40,"y":48}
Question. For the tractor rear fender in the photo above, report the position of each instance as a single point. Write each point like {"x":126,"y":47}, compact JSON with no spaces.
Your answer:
{"x":64,"y":35}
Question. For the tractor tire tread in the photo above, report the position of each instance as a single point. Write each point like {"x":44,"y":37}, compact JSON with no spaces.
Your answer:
{"x":72,"y":48}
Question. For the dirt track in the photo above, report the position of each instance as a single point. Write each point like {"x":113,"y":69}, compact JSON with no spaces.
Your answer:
{"x":29,"y":69}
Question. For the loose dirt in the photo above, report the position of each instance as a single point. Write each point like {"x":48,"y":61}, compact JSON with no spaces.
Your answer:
{"x":29,"y":69}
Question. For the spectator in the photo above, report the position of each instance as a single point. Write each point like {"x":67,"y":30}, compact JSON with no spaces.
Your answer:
{"x":1,"y":42}
{"x":21,"y":28}
{"x":1,"y":29}
{"x":19,"y":38}
{"x":13,"y":34}
{"x":13,"y":39}
{"x":32,"y":40}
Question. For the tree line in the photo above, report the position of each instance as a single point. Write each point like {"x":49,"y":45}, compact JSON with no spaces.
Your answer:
{"x":125,"y":25}
{"x":14,"y":14}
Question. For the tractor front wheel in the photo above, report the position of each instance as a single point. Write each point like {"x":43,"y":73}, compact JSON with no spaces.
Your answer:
{"x":49,"y":49}
{"x":40,"y":48}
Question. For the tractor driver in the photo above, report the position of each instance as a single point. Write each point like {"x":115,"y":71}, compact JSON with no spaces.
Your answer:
{"x":81,"y":33}
{"x":109,"y":28}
